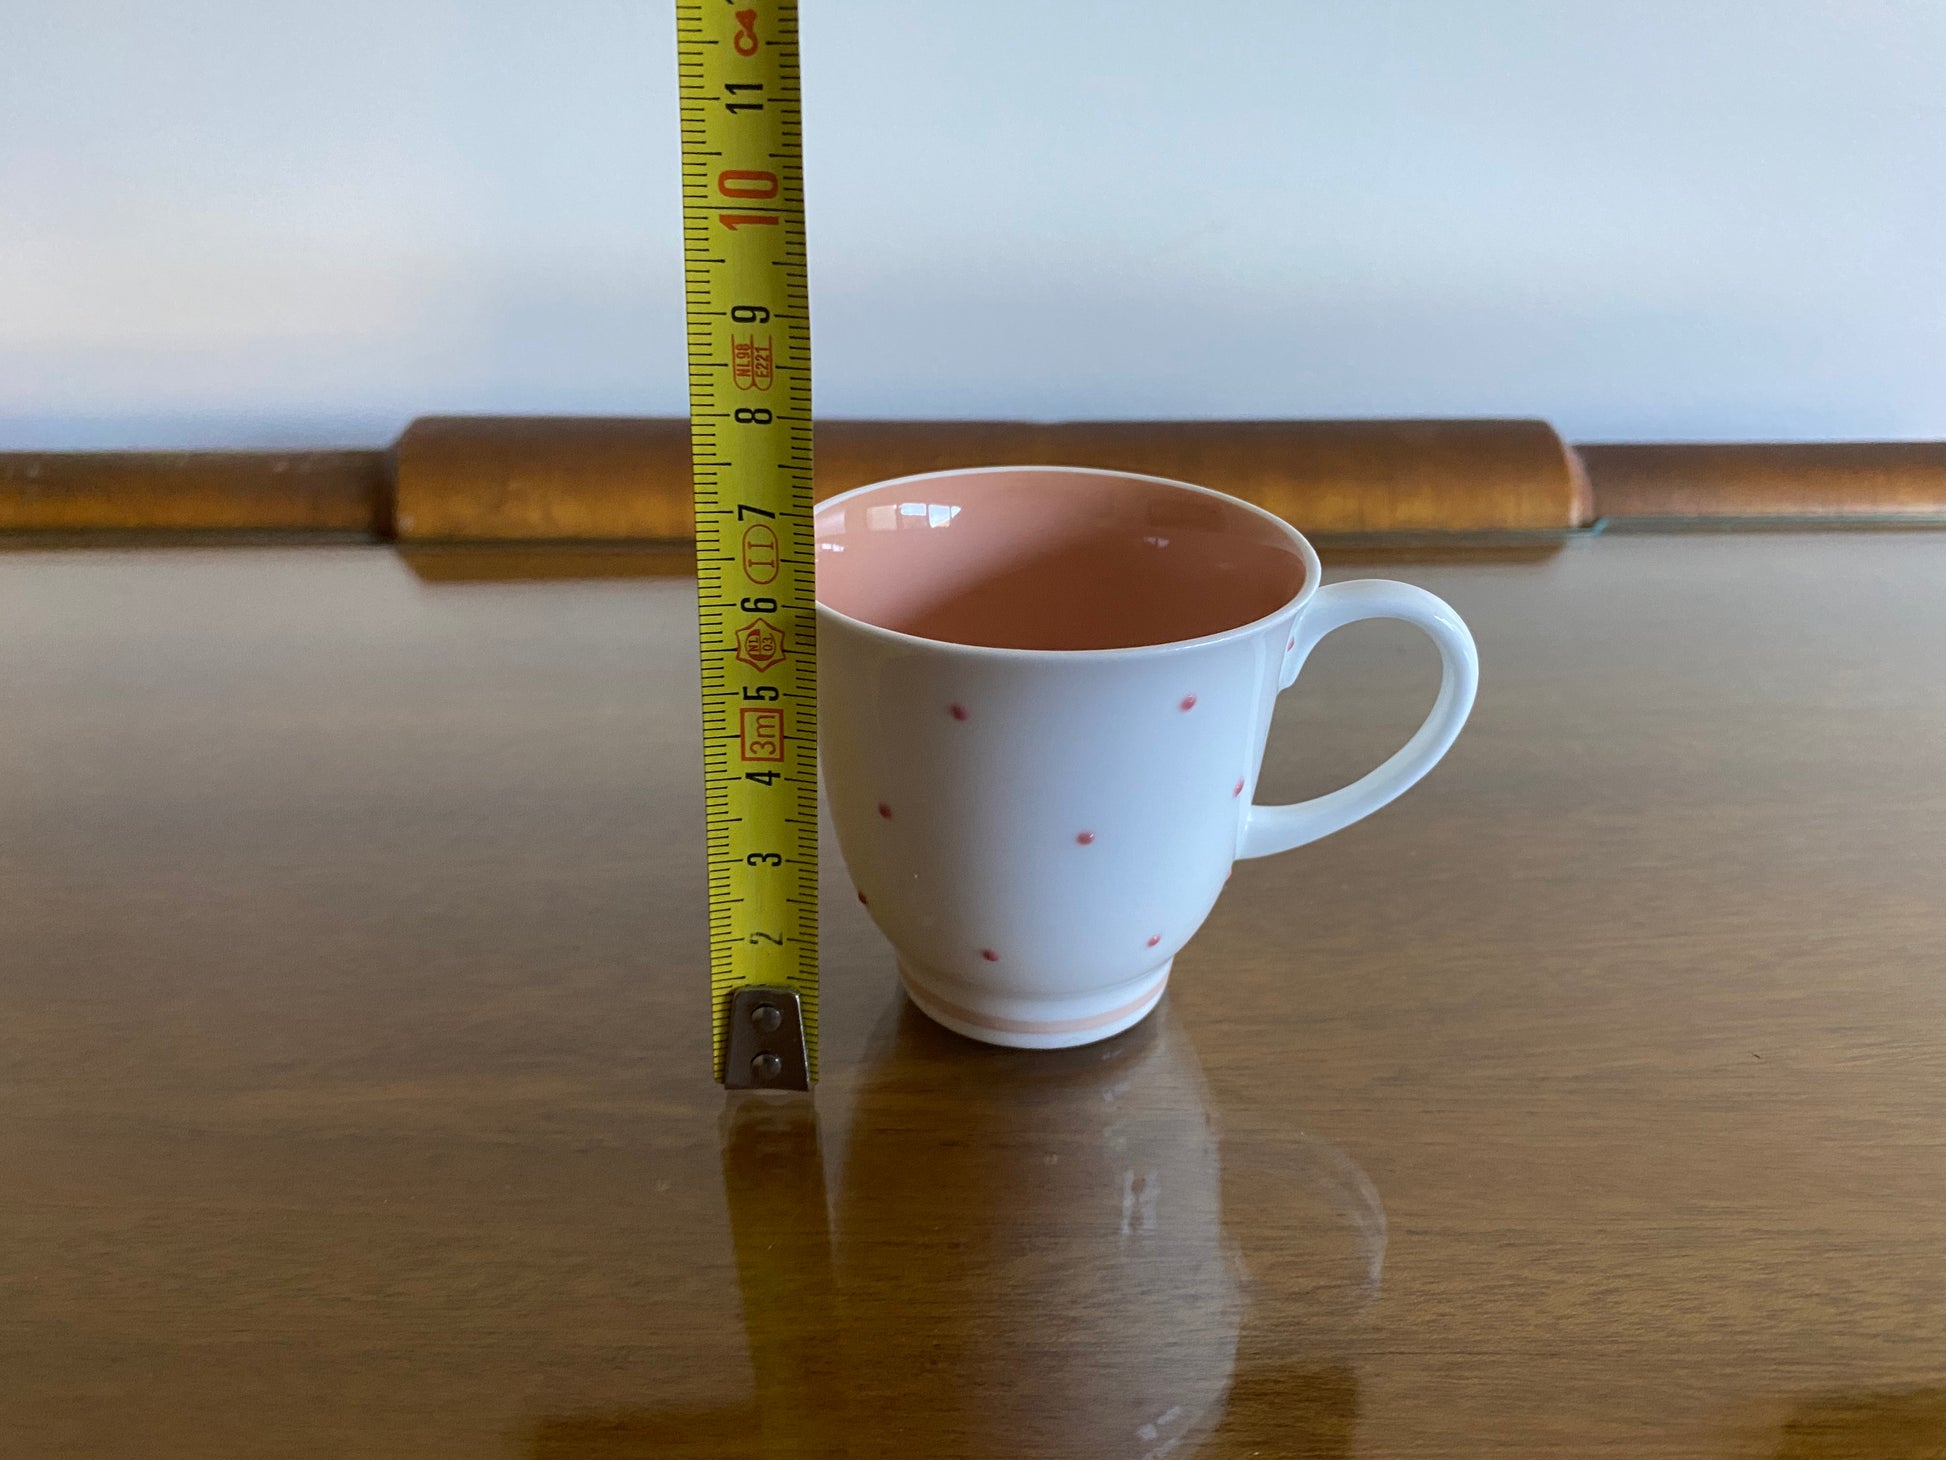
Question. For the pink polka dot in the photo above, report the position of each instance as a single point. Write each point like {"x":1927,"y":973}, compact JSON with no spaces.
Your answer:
{"x":1154,"y":938}
{"x":957,"y":711}
{"x":989,"y":955}
{"x":1086,"y":838}
{"x":1239,"y":789}
{"x":1292,"y":645}
{"x":1188,"y":703}
{"x":863,"y":900}
{"x":885,"y":811}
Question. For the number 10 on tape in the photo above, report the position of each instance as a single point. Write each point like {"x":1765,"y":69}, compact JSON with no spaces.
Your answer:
{"x":750,"y":437}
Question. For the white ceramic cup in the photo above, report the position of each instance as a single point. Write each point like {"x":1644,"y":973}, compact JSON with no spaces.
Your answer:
{"x":1043,"y":699}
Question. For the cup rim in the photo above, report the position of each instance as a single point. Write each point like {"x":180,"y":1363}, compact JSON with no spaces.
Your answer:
{"x":1313,"y":569}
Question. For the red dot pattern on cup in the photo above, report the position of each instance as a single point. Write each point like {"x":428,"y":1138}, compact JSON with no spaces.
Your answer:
{"x":863,"y":901}
{"x":885,"y":811}
{"x":1083,"y":838}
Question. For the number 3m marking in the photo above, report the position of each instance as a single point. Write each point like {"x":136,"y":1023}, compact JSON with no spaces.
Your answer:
{"x":762,"y":734}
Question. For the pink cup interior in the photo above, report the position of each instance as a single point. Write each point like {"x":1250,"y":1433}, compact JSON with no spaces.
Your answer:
{"x":1045,"y":558}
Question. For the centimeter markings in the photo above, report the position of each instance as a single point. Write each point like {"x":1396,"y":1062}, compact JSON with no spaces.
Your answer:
{"x":750,"y":439}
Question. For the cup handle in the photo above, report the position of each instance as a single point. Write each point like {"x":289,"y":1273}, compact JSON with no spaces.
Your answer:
{"x":1268,"y":829}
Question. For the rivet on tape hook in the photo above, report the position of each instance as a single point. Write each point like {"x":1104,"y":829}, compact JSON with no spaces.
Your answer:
{"x":766,"y":1041}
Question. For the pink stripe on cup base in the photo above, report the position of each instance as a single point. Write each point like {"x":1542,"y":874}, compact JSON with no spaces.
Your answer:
{"x":1040,"y":1026}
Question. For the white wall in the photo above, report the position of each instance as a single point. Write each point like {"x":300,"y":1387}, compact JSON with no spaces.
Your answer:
{"x":305,"y":221}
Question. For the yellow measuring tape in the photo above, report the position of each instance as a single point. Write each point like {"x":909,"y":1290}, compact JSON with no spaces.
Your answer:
{"x":750,"y":437}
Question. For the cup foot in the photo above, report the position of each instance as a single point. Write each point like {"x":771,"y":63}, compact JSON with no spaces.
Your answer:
{"x":1034,"y":1023}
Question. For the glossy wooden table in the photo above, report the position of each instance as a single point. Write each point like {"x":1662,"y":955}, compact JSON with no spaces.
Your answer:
{"x":1590,"y":1100}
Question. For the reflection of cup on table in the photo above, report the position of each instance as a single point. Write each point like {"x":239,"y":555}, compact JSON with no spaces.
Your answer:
{"x":1044,"y":696}
{"x":1032,"y":1256}
{"x":1076,"y":1295}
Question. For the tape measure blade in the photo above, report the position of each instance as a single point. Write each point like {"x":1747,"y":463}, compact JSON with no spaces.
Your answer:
{"x":747,"y":304}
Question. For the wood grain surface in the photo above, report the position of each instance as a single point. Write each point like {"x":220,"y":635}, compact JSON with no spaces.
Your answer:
{"x":1591,"y":1100}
